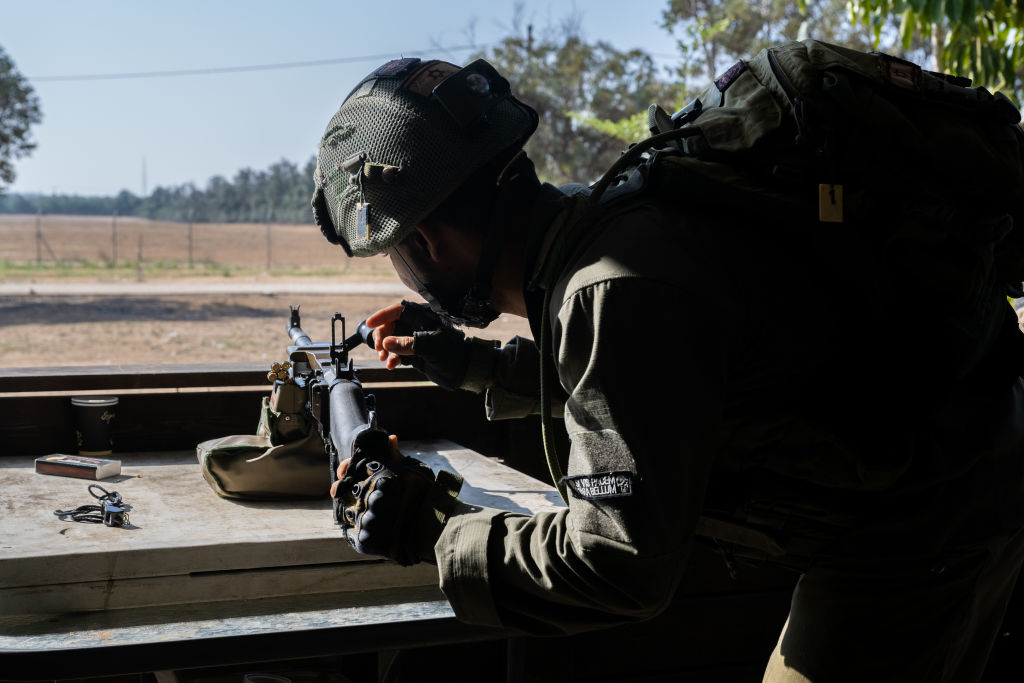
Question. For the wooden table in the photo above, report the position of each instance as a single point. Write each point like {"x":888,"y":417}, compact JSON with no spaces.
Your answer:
{"x":243,"y":578}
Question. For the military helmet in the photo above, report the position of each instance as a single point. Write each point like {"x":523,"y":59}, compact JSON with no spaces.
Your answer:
{"x":406,"y":137}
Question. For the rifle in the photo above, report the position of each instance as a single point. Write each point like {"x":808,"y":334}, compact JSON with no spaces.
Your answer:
{"x":345,"y":417}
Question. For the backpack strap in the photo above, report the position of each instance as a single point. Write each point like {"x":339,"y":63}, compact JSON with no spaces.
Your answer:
{"x":582,"y":213}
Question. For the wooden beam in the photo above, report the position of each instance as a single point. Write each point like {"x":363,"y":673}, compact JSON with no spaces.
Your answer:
{"x":168,"y":420}
{"x":114,"y":377}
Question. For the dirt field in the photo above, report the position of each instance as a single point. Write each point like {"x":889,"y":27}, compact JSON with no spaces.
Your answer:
{"x":36,"y":331}
{"x":199,"y":328}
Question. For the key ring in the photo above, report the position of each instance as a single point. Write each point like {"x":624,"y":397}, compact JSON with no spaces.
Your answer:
{"x":112,"y":510}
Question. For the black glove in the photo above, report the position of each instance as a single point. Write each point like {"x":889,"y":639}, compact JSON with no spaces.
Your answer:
{"x":443,"y":353}
{"x":396,"y":510}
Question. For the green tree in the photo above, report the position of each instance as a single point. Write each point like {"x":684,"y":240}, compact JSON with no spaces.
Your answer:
{"x":126,"y":203}
{"x":980,"y":39}
{"x":571,"y":82}
{"x":282,"y":193}
{"x":713,"y":34}
{"x":19,"y":110}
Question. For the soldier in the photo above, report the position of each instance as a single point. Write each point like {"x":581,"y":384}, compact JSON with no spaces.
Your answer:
{"x":719,"y":374}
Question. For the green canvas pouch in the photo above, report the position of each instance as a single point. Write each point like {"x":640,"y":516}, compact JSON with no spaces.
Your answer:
{"x":285,"y":459}
{"x":247,"y":466}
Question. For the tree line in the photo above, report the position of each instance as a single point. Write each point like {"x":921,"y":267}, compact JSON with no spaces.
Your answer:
{"x":279,"y":194}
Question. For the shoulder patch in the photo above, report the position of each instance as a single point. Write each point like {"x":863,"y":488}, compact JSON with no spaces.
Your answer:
{"x":731,"y":74}
{"x":396,"y":68}
{"x":601,"y":485}
{"x":364,"y":88}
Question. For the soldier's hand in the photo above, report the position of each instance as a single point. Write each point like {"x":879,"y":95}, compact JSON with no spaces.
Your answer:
{"x":384,"y":323}
{"x":394,"y":506}
{"x":411,"y":334}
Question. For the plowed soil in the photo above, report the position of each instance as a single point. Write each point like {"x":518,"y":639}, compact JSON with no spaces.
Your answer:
{"x":126,"y":328}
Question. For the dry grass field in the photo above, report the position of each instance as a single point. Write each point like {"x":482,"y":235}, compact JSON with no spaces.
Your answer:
{"x":127,"y":328}
{"x":97,"y":246}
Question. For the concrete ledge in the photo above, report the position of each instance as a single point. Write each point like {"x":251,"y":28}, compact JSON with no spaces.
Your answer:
{"x":73,"y":288}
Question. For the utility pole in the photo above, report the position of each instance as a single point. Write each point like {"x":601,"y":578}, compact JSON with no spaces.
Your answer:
{"x":191,"y":212}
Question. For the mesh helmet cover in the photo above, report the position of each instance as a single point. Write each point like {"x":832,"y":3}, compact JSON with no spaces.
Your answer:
{"x":394,"y":147}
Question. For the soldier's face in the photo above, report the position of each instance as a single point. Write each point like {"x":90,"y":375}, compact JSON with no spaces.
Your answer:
{"x":443,"y":284}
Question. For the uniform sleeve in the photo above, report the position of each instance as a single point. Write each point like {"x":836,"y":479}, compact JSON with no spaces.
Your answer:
{"x":644,"y":364}
{"x":515,"y":388}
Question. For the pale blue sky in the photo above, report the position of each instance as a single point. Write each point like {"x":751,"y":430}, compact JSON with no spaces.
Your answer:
{"x":96,"y":133}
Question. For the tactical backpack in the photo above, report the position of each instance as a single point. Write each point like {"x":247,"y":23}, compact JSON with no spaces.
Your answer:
{"x":926,"y":170}
{"x":849,"y":132}
{"x":916,"y":167}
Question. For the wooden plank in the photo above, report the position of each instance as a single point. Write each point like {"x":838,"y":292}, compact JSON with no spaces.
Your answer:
{"x":37,"y":425}
{"x":77,"y":645}
{"x":185,"y":542}
{"x":113,"y":377}
{"x":487,"y":483}
{"x":199,"y":587}
{"x":176,"y":519}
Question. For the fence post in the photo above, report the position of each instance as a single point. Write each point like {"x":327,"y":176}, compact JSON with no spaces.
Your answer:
{"x":269,"y":215}
{"x":113,"y":239}
{"x":41,"y":241}
{"x":138,"y":264}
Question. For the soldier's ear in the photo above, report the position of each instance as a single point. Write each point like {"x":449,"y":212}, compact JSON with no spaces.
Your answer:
{"x":430,"y":238}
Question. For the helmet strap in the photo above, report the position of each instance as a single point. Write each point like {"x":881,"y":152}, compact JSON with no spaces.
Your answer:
{"x":511,"y":181}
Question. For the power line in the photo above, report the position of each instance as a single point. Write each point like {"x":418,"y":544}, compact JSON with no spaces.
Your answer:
{"x":251,"y":67}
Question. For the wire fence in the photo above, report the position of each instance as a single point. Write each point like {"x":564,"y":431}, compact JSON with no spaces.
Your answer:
{"x":124,"y":241}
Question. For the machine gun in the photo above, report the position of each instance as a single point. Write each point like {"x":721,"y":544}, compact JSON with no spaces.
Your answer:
{"x":345,"y":417}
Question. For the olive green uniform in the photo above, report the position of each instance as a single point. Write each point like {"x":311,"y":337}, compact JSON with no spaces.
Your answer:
{"x":725,"y":371}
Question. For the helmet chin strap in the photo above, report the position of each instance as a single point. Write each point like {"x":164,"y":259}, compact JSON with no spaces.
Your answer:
{"x":473,"y":308}
{"x":451,"y":305}
{"x":477,"y":310}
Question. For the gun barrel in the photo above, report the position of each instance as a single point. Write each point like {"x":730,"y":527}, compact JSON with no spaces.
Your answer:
{"x":298,"y":337}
